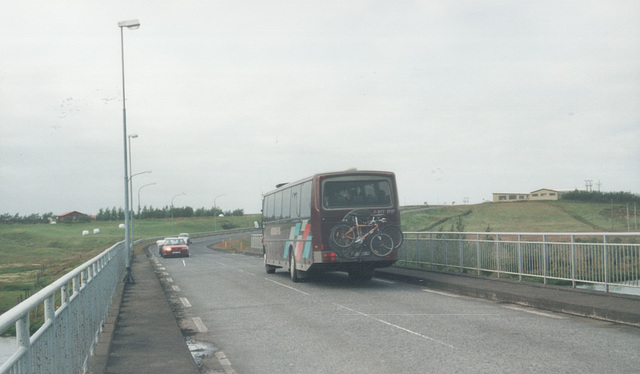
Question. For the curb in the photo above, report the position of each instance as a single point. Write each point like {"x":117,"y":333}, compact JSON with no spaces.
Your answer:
{"x":582,"y":303}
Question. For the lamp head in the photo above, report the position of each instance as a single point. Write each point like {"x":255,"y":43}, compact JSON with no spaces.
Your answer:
{"x":131,"y":24}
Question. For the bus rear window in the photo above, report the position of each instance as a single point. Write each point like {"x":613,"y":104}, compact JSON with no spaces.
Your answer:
{"x":356,"y":193}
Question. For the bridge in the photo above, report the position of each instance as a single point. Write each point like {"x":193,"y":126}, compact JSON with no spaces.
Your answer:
{"x":95,"y":323}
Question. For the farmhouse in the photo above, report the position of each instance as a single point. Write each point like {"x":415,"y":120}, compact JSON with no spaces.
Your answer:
{"x":73,"y":216}
{"x":541,"y":194}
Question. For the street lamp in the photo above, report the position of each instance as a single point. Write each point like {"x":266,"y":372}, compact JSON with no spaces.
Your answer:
{"x":180,"y":194}
{"x":131,"y":236}
{"x":215,"y":216}
{"x":131,"y":211}
{"x":132,"y":24}
{"x":139,"y":217}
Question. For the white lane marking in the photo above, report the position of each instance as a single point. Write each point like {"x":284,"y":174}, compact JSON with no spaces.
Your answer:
{"x":285,"y":286}
{"x":532,"y":311}
{"x":440,"y":293}
{"x":185,"y":302}
{"x":224,"y":362}
{"x":384,"y":281}
{"x":238,"y":269}
{"x":164,"y":273}
{"x":176,"y":288}
{"x":184,"y":263}
{"x":199,"y":324}
{"x":169,"y":280}
{"x":395,"y":326}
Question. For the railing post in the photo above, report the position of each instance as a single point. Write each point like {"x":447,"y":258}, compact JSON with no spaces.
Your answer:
{"x":478,"y":254}
{"x":520,"y":265}
{"x":498,"y":255}
{"x":606,"y":263}
{"x":544,"y":257}
{"x":24,"y":339}
{"x":573,"y":261}
{"x":432,"y":249}
{"x":461,"y":250}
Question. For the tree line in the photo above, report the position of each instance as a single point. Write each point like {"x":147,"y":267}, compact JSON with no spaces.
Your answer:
{"x":117,"y":214}
{"x":31,"y":218}
{"x":601,"y":197}
{"x":148,"y":212}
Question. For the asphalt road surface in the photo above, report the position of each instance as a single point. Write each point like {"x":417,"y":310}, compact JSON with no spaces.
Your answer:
{"x":240,"y":319}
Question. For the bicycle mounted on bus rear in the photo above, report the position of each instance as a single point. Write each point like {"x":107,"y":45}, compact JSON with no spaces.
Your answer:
{"x":351,"y":237}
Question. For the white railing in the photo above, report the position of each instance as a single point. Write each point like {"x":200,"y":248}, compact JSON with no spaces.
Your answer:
{"x":602,"y":259}
{"x":75,"y":308}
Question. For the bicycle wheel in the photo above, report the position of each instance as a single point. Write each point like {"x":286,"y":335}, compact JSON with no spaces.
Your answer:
{"x":350,"y":253}
{"x":381,"y":245}
{"x":342,"y":236}
{"x":396,"y":234}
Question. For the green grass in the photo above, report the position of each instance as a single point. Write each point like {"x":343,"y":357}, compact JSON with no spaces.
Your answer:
{"x":535,"y":216}
{"x":26,"y":249}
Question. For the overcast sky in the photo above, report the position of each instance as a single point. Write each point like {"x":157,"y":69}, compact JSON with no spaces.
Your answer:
{"x":459,"y":98}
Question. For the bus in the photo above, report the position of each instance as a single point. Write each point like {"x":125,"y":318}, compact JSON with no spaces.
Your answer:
{"x":298,"y":218}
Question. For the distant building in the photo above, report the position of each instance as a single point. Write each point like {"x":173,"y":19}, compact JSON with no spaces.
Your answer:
{"x":73,"y":216}
{"x":541,"y":194}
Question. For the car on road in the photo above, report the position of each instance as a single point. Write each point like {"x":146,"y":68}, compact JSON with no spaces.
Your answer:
{"x":174,"y":247}
{"x":160,"y":243}
{"x":185,"y":236}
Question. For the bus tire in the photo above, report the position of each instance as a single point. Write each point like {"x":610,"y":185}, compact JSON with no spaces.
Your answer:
{"x":295,"y":275}
{"x":269,"y":268}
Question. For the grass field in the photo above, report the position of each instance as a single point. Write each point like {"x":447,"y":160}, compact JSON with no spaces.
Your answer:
{"x":44,"y":252}
{"x":54,"y":250}
{"x":540,"y":216}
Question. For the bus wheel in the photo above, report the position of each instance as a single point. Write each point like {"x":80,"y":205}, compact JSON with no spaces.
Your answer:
{"x":295,"y":276}
{"x":269,"y":268}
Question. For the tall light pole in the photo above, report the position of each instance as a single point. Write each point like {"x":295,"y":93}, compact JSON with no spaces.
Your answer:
{"x":180,"y":194}
{"x":131,"y":236}
{"x":215,"y":216}
{"x":132,"y":24}
{"x":131,"y":211}
{"x":139,"y":217}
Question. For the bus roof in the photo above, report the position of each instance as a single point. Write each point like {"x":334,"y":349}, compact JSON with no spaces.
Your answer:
{"x":331,"y":174}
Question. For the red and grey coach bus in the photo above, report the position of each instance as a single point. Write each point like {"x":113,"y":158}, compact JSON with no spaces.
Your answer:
{"x":298,"y":218}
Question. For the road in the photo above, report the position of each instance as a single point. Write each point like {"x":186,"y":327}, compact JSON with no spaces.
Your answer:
{"x":261,"y":323}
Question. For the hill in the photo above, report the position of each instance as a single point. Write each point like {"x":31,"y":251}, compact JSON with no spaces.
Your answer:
{"x":530,"y":216}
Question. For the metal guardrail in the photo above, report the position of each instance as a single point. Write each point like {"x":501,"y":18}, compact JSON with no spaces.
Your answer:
{"x":602,"y":259}
{"x":610,"y":261}
{"x":75,"y":309}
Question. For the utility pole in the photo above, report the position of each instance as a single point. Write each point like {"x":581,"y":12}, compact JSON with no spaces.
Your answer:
{"x":589,"y":184}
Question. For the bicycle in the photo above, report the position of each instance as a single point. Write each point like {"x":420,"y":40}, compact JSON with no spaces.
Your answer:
{"x":348,"y":238}
{"x":391,"y":229}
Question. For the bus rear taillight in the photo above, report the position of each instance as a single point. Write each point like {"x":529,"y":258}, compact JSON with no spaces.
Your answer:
{"x":329,"y":257}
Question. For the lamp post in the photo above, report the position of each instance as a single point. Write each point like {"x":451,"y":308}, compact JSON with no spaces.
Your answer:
{"x":139,"y":217}
{"x":215,"y":216}
{"x":180,"y":194}
{"x":131,"y":211}
{"x":131,"y":236}
{"x":132,"y":24}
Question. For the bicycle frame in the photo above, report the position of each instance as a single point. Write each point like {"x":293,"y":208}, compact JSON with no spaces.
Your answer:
{"x":359,"y":239}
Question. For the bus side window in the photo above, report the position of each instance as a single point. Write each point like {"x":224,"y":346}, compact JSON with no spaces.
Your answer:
{"x":305,"y":199}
